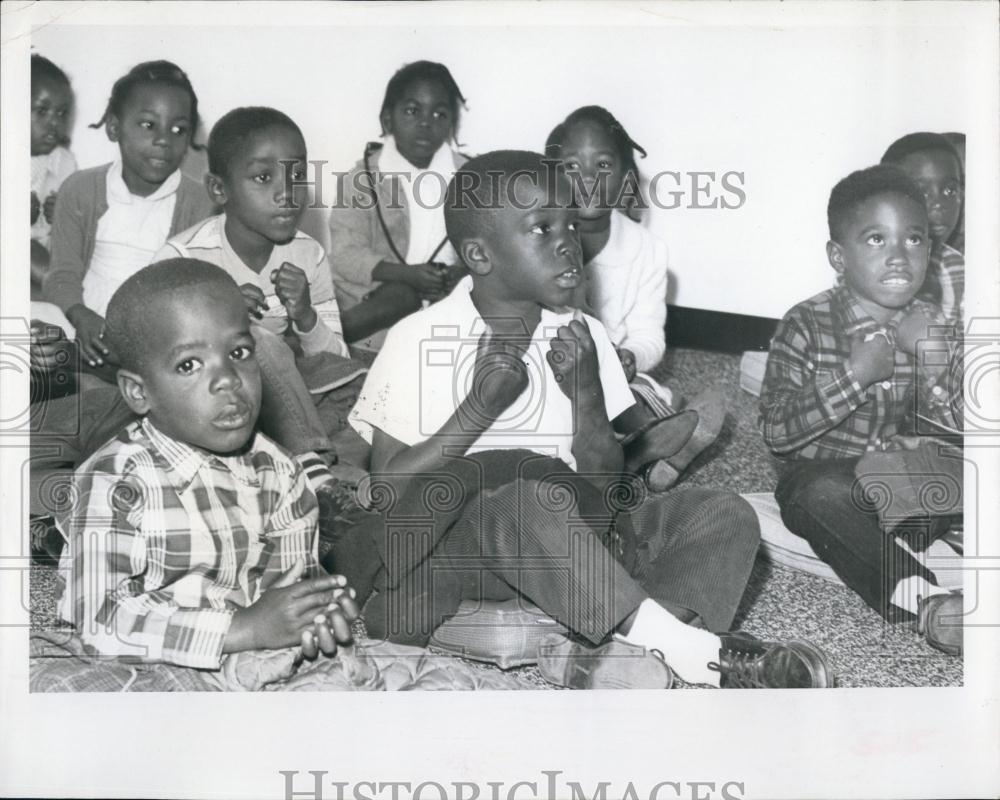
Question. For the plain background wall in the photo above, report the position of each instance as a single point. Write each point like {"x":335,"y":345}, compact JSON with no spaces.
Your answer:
{"x":794,"y":110}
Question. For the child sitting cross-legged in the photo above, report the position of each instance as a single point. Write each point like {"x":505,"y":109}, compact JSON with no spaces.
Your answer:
{"x":842,"y":376}
{"x":257,"y":161}
{"x":497,"y":474}
{"x":194,"y":537}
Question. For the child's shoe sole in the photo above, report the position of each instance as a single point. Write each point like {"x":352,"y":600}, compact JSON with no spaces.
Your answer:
{"x":615,"y":665}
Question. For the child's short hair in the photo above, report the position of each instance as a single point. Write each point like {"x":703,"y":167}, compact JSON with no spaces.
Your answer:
{"x":42,"y":68}
{"x":863,"y":184}
{"x":165,"y":73}
{"x":482,"y":186}
{"x":126,"y":324}
{"x":921,"y":142}
{"x":233,"y":130}
{"x":625,"y":145}
{"x":423,"y":71}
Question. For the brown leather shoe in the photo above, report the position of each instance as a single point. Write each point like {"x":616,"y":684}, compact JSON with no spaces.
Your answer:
{"x":746,"y":662}
{"x":939,"y":621}
{"x":658,"y":440}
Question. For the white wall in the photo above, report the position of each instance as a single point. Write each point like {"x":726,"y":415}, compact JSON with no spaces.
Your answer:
{"x":793,"y":109}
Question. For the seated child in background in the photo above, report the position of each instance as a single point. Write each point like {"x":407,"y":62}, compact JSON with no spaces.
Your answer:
{"x":389,"y":252}
{"x":503,"y":388}
{"x":194,"y":537}
{"x":51,"y":161}
{"x":284,"y":278}
{"x":957,"y":239}
{"x":840,"y":381}
{"x":111,"y":219}
{"x":626,"y":280}
{"x":932,"y":161}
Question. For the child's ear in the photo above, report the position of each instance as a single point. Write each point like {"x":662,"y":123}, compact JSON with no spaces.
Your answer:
{"x":386,"y":119}
{"x":835,"y":255}
{"x":111,"y":127}
{"x":476,"y":257}
{"x":133,"y":389}
{"x":216,"y":189}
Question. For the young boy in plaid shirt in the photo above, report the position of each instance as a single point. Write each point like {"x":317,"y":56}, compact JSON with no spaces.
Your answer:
{"x":192,"y":536}
{"x":841,"y":378}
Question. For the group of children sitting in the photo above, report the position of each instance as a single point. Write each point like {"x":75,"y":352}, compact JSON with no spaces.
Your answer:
{"x":489,"y":336}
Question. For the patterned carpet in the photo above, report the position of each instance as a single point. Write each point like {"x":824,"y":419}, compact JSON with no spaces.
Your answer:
{"x":779,"y":602}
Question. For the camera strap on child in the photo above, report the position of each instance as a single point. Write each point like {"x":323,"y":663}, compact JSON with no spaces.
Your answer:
{"x":371,"y":148}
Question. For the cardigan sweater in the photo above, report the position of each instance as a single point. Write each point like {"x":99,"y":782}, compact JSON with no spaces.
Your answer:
{"x":82,"y":202}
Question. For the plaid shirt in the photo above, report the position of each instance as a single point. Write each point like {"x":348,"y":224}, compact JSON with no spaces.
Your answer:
{"x":946,"y":283}
{"x":812,"y":406}
{"x":165,"y":542}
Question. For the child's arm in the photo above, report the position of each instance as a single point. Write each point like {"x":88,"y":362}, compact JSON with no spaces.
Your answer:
{"x":63,"y":284}
{"x":573,"y":360}
{"x":110,"y":606}
{"x":499,"y":378}
{"x":645,"y":322}
{"x":798,"y":403}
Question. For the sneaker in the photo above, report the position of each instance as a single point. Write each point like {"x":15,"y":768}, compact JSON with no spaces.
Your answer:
{"x":615,"y":665}
{"x":939,"y":621}
{"x":746,"y":662}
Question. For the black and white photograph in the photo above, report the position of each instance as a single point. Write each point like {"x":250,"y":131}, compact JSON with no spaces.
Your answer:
{"x":572,"y":367}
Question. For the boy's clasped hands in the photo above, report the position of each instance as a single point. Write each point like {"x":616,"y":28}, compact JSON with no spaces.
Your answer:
{"x":315,"y":613}
{"x":292,"y":289}
{"x":872,"y":358}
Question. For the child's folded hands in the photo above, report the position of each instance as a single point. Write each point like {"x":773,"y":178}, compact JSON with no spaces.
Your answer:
{"x":572,"y":357}
{"x":871,"y":358}
{"x":292,"y":287}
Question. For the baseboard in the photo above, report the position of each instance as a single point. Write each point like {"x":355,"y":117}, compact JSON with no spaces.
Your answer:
{"x":718,"y":330}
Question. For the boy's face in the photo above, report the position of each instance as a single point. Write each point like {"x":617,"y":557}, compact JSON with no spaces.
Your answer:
{"x":882,"y":252}
{"x":254,"y":190}
{"x":595,"y":168}
{"x":420,"y":122}
{"x":51,"y":104}
{"x":534,"y":248}
{"x":153,"y":134}
{"x":939,"y":175}
{"x":201,"y":382}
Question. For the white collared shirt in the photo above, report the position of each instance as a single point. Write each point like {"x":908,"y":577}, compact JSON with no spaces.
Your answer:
{"x":423,"y":373}
{"x":128,"y":235}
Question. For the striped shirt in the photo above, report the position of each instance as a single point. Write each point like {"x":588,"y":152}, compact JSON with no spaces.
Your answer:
{"x":207,"y":241}
{"x":166,"y":541}
{"x":812,"y":406}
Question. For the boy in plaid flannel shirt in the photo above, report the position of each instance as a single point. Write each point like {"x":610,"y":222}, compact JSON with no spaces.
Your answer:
{"x":841,"y":377}
{"x":192,"y":536}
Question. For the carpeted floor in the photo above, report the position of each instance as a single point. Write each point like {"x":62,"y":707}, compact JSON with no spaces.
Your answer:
{"x":779,"y":603}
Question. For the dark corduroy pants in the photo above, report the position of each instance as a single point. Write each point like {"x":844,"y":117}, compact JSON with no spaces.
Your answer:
{"x":505,"y":524}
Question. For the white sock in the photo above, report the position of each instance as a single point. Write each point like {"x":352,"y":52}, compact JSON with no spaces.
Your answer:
{"x":908,"y":592}
{"x":687,"y":650}
{"x":317,"y":472}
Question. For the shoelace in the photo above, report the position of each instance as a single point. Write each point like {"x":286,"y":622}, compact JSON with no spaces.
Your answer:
{"x":744,"y":670}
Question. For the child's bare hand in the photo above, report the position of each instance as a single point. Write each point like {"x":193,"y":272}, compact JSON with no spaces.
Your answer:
{"x":49,"y":207}
{"x":89,"y":334}
{"x":871,"y":360}
{"x":499,"y":376}
{"x":287,"y":609}
{"x":36,"y":208}
{"x":572,"y":358}
{"x":292,"y":287}
{"x":627,"y":357}
{"x":453,"y":273}
{"x":332,"y":628}
{"x":912,"y":329}
{"x":48,"y":345}
{"x":254,"y":300}
{"x":428,"y":279}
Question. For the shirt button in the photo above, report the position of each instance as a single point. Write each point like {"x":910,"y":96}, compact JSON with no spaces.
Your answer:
{"x":886,"y":385}
{"x":937,"y":391}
